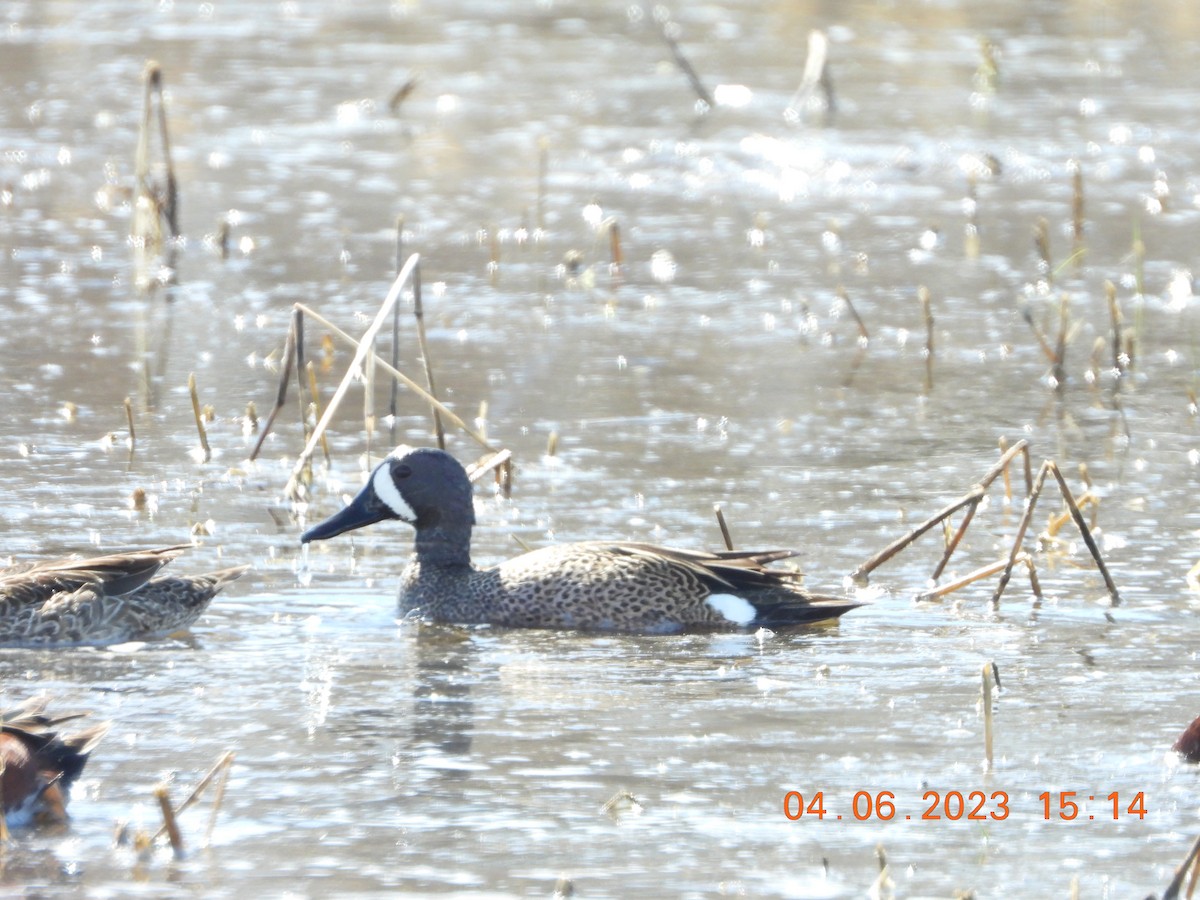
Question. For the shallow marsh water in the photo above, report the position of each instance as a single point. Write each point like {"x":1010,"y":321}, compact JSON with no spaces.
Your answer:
{"x":374,"y":758}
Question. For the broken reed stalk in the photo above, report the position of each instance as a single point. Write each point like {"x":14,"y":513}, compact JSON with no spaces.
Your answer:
{"x":1007,"y":477}
{"x":199,"y":417}
{"x":1050,"y":467}
{"x":226,"y":766}
{"x":222,"y":766}
{"x":860,"y":574}
{"x":1174,"y":889}
{"x":614,"y":246}
{"x":816,"y":74}
{"x":1114,"y":313}
{"x":369,"y":401}
{"x":289,"y":350}
{"x":393,"y":402}
{"x":170,"y":826}
{"x":665,"y":27}
{"x":970,"y":578}
{"x":419,"y":313}
{"x":725,"y":536}
{"x":1041,"y":243}
{"x":991,"y":676}
{"x":446,"y":413}
{"x":129,"y":419}
{"x":969,"y":500}
{"x":927,"y":313}
{"x":845,"y":298}
{"x":1034,"y":585}
{"x":316,"y":403}
{"x":365,"y":346}
{"x":1139,"y":258}
{"x":164,"y":203}
{"x":1060,"y":347}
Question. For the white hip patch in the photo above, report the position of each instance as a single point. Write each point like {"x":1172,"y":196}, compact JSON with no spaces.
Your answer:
{"x":733,"y":608}
{"x":386,"y":490}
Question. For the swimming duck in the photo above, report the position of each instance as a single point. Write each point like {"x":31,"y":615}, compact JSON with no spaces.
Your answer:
{"x":39,"y":763}
{"x":591,"y":585}
{"x":102,"y":600}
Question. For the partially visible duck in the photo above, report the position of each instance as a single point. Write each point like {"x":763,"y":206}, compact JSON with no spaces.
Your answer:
{"x":1188,"y":744}
{"x":592,"y":585}
{"x":40,"y":763}
{"x":102,"y":600}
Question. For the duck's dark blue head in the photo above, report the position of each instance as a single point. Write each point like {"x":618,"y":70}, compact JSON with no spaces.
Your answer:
{"x":424,"y":487}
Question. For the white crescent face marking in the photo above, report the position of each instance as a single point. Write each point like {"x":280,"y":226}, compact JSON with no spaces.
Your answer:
{"x":386,"y":490}
{"x":733,"y":608}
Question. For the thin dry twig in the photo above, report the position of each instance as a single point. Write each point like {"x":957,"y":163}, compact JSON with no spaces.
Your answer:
{"x":199,"y":417}
{"x":725,"y":536}
{"x":170,"y":827}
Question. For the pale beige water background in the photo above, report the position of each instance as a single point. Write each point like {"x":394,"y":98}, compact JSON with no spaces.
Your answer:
{"x":374,"y":759}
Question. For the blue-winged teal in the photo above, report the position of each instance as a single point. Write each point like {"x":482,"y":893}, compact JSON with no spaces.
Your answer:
{"x":39,"y":763}
{"x":103,"y":600}
{"x":594,"y":585}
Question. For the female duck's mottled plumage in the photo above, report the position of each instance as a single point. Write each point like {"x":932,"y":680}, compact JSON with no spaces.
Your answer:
{"x":591,"y":585}
{"x":103,"y":600}
{"x":38,"y":764}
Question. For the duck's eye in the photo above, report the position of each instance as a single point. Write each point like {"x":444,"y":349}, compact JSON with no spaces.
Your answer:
{"x":401,"y":471}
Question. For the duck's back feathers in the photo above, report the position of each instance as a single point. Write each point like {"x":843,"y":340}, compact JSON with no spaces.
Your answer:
{"x":103,"y":600}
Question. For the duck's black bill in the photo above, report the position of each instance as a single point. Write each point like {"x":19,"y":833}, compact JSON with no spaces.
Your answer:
{"x":365,"y":509}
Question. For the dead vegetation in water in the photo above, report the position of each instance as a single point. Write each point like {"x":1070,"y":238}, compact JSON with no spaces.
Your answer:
{"x":155,"y":225}
{"x":365,"y":365}
{"x":1018,"y":555}
{"x":143,"y":843}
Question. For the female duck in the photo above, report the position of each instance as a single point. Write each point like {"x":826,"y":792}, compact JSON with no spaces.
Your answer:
{"x":592,"y":585}
{"x":102,"y":600}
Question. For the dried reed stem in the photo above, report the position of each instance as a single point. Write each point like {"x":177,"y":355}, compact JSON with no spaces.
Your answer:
{"x":129,"y":419}
{"x":445,"y":411}
{"x":1086,"y":533}
{"x":199,"y":418}
{"x":1041,"y":244}
{"x":666,"y":27}
{"x":725,"y":536}
{"x":1118,"y":321}
{"x":1076,"y":204}
{"x":1176,"y":886}
{"x":991,"y":675}
{"x":393,"y":402}
{"x":222,"y":765}
{"x":960,"y":583}
{"x":289,"y":349}
{"x":226,"y":765}
{"x":170,"y":825}
{"x":419,"y":313}
{"x":1050,"y":467}
{"x":311,"y":370}
{"x":969,"y":500}
{"x":816,"y":74}
{"x":364,"y":347}
{"x":845,"y":298}
{"x":614,"y":246}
